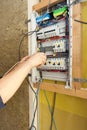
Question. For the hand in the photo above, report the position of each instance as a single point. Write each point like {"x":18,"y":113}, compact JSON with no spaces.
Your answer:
{"x":37,"y":59}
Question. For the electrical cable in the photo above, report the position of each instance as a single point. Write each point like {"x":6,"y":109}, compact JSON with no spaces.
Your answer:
{"x":32,"y":126}
{"x":27,"y":21}
{"x":73,"y":3}
{"x":50,"y":109}
{"x":25,"y":34}
{"x":82,"y":22}
{"x":20,"y":47}
{"x":32,"y":123}
{"x":36,"y":97}
{"x":31,"y":86}
{"x":48,"y":6}
{"x":52,"y":115}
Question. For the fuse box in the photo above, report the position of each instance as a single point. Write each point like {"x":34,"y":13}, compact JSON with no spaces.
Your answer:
{"x":52,"y":38}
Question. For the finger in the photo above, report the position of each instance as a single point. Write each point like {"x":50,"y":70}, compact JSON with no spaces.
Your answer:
{"x":43,"y":55}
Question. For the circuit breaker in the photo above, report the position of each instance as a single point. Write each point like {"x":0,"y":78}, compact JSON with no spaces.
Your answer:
{"x":52,"y":37}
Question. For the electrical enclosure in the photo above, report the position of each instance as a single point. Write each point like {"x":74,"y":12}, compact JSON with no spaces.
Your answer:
{"x":52,"y":36}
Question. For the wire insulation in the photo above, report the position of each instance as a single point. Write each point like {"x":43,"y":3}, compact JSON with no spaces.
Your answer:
{"x":82,"y":22}
{"x":36,"y":97}
{"x":20,"y":44}
{"x":50,"y":109}
{"x":53,"y":108}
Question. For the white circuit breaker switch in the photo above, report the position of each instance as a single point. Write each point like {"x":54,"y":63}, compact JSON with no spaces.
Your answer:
{"x":60,"y":45}
{"x":55,"y":64}
{"x":57,"y":29}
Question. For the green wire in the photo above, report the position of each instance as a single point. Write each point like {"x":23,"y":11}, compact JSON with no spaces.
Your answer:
{"x":50,"y":108}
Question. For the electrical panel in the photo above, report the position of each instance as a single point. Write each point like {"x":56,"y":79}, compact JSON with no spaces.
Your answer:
{"x":52,"y":38}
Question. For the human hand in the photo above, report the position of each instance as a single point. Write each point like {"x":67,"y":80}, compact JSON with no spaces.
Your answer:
{"x":37,"y":59}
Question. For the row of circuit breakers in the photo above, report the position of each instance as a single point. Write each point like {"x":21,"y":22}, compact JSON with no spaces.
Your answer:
{"x":53,"y":39}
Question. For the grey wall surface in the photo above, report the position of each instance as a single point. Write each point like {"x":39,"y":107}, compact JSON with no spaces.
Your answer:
{"x":13,"y":14}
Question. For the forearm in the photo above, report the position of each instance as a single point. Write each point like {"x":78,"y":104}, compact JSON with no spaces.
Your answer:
{"x":10,"y":83}
{"x":12,"y":80}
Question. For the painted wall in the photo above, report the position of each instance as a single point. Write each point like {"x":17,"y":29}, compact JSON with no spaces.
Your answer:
{"x":70,"y":112}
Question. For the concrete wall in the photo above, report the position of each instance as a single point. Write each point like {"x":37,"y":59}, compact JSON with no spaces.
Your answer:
{"x":13,"y":14}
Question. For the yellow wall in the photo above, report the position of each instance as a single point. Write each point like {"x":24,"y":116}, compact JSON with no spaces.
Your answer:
{"x":70,"y":112}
